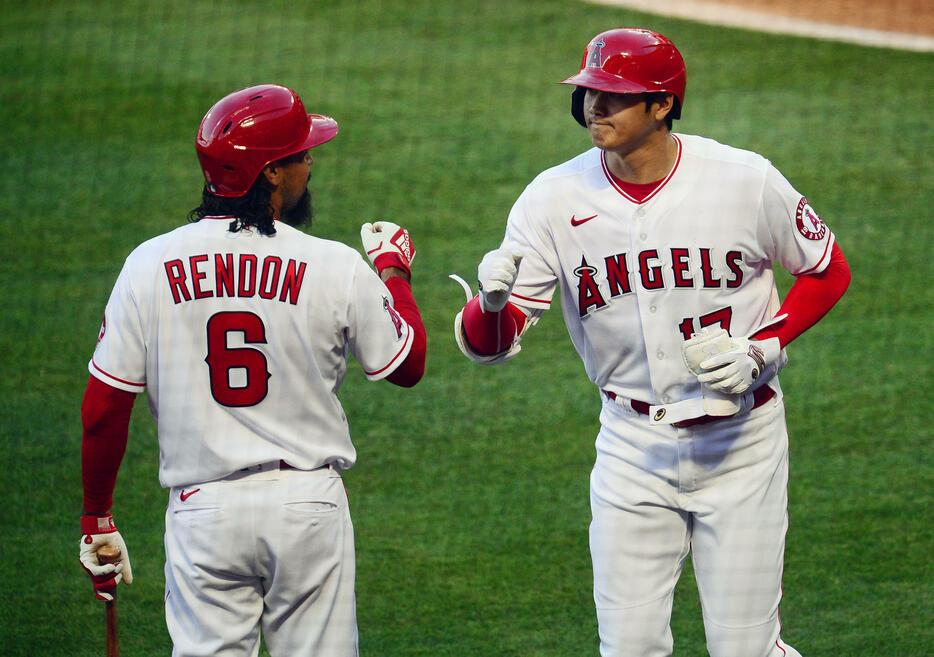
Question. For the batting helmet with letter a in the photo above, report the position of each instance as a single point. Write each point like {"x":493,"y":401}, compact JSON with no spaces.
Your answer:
{"x":251,"y":128}
{"x":629,"y":60}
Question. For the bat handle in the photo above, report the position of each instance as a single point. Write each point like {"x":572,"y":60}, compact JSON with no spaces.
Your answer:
{"x":111,"y":554}
{"x":113,"y":645}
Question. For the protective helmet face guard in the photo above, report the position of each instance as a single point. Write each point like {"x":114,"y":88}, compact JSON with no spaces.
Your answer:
{"x":251,"y":128}
{"x":628,"y":61}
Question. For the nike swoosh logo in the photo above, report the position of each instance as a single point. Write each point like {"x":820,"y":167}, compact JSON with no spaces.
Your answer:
{"x":186,"y":494}
{"x":578,"y":222}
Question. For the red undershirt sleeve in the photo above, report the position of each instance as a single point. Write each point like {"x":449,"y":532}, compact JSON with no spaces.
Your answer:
{"x":411,"y":369}
{"x":105,"y":416}
{"x":810,"y":298}
{"x":489,"y":333}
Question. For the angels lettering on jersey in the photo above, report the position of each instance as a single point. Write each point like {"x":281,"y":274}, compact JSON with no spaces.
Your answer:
{"x":652,"y":269}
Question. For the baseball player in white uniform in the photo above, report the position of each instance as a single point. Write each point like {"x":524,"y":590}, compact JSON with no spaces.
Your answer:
{"x":662,"y":247}
{"x":238,"y":326}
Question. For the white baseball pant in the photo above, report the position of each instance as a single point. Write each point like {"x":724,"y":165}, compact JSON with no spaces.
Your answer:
{"x":718,"y":491}
{"x":266,"y":548}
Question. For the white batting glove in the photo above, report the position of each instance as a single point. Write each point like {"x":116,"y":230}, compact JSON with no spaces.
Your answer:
{"x":497,"y":275}
{"x":735,"y":370}
{"x":710,"y":341}
{"x":387,"y":245}
{"x":99,"y":531}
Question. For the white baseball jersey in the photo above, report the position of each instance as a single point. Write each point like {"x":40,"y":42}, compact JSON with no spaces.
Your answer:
{"x":638,"y":278}
{"x":225,"y":330}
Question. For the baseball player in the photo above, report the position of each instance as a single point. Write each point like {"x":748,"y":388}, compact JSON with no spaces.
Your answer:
{"x":238,"y":327}
{"x":662,"y":247}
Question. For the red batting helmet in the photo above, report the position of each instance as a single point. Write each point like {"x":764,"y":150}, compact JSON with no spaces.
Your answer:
{"x":629,"y":60}
{"x":249,"y":129}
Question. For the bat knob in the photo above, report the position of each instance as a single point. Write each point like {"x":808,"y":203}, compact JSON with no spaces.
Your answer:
{"x":108,"y":554}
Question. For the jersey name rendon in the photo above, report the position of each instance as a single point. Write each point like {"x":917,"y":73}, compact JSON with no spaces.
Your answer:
{"x":649,"y":273}
{"x":240,"y":276}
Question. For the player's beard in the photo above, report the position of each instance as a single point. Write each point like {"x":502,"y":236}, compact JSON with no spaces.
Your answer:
{"x":299,"y":214}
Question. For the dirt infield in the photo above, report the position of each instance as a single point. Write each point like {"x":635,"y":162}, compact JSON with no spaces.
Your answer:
{"x":906,"y":16}
{"x":903,"y":24}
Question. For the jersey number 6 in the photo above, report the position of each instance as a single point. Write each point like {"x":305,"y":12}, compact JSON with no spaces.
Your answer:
{"x":225,"y":362}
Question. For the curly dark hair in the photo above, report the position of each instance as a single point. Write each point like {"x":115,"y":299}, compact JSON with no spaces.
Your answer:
{"x":251,"y":209}
{"x":254,"y":208}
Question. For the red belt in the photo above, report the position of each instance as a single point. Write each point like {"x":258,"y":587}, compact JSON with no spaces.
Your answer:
{"x":759,"y":397}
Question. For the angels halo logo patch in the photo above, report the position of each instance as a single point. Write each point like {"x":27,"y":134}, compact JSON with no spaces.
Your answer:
{"x":809,"y":224}
{"x":397,"y":321}
{"x":595,"y":57}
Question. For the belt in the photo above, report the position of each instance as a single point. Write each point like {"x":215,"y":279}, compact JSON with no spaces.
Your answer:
{"x":271,"y":465}
{"x":759,"y":396}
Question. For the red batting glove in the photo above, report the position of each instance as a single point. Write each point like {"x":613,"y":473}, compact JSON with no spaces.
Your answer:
{"x":98,"y":531}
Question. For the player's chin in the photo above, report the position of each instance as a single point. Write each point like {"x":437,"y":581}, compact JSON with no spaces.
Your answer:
{"x":599,"y":133}
{"x":301,"y":213}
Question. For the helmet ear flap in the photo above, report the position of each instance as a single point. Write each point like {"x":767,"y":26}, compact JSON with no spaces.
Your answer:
{"x":577,"y":105}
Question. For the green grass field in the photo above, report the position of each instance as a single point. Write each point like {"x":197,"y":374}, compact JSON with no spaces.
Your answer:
{"x":470,"y":497}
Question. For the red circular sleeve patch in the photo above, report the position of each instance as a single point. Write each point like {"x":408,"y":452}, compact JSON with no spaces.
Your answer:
{"x":809,"y":224}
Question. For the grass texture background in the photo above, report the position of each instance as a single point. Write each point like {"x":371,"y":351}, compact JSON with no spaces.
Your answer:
{"x":470,"y":495}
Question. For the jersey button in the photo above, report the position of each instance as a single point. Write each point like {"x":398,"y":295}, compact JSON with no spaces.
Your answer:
{"x":660,"y":355}
{"x":653,"y":308}
{"x":643,"y":236}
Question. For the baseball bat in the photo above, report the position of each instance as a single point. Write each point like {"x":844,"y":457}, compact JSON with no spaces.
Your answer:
{"x":110,"y":554}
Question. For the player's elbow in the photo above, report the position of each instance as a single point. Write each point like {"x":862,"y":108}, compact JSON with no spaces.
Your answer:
{"x":840,"y":277}
{"x":408,"y":382}
{"x":412,"y":369}
{"x":839,"y":269}
{"x":104,"y":406}
{"x":845,"y":277}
